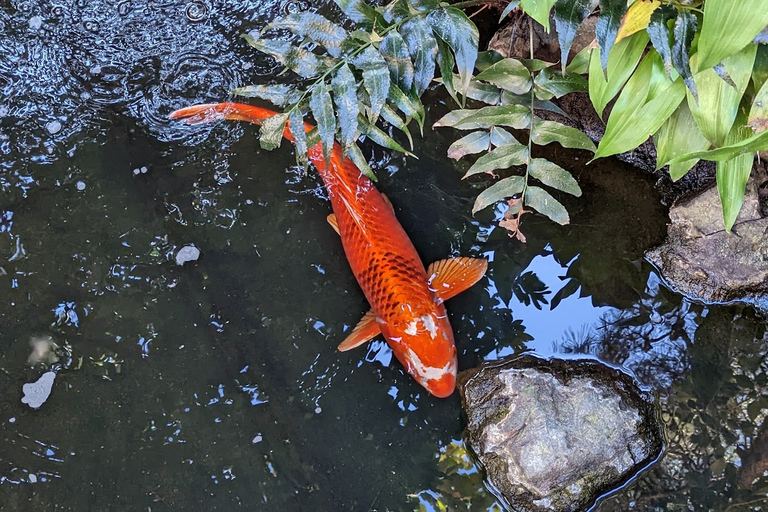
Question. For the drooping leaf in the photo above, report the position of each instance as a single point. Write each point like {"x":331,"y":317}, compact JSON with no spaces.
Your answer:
{"x":757,"y":142}
{"x":607,"y":28}
{"x":732,"y":176}
{"x":727,"y":28}
{"x":559,"y":84}
{"x":411,"y":107}
{"x":452,"y":26}
{"x":308,"y":24}
{"x":514,"y":116}
{"x":296,"y":125}
{"x":568,"y":16}
{"x":545,"y":132}
{"x":345,"y":97}
{"x":390,"y":116}
{"x":379,"y":136}
{"x":623,"y":59}
{"x":470,"y":144}
{"x":538,"y":10}
{"x":361,"y":13}
{"x":637,"y":17}
{"x":718,"y":102}
{"x":509,"y":74}
{"x":500,"y":137}
{"x":395,"y":52}
{"x":658,"y":31}
{"x":445,"y":62}
{"x":541,"y":201}
{"x":375,"y":79}
{"x":677,"y":136}
{"x":277,"y":94}
{"x":508,"y":187}
{"x":302,"y":62}
{"x":321,"y":104}
{"x":646,"y":102}
{"x":553,"y":176}
{"x":508,"y":98}
{"x":511,"y":6}
{"x":480,"y":91}
{"x":418,"y":36}
{"x":271,"y":131}
{"x":397,"y":10}
{"x":503,"y":157}
{"x":359,"y":160}
{"x":685,"y":29}
{"x":758,"y":113}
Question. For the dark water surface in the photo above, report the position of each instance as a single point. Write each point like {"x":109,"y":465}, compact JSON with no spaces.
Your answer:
{"x":216,"y":385}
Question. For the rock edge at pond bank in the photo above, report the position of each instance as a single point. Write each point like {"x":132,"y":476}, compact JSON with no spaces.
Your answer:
{"x":556,"y":435}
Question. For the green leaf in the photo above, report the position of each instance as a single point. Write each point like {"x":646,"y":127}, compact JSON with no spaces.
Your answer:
{"x":568,"y":16}
{"x":380,"y":137}
{"x":361,"y":13}
{"x":503,"y":157}
{"x":514,"y":116}
{"x":296,"y":126}
{"x":345,"y":97}
{"x":302,"y":62}
{"x":758,"y":113}
{"x":757,"y":142}
{"x":580,"y":63}
{"x":621,"y":62}
{"x":646,"y":102}
{"x":271,"y":131}
{"x":509,"y":74}
{"x":445,"y":63}
{"x":538,"y":10}
{"x":501,"y":137}
{"x":508,"y":9}
{"x":607,"y":28}
{"x":397,"y":10}
{"x":728,"y":27}
{"x":390,"y":116}
{"x":310,"y":25}
{"x":417,"y":35}
{"x":322,"y":108}
{"x":277,"y":94}
{"x":508,"y":187}
{"x":553,"y":176}
{"x":718,"y":102}
{"x":452,"y":26}
{"x":424,"y":5}
{"x":480,"y":91}
{"x":658,"y":31}
{"x":395,"y":52}
{"x":475,"y":142}
{"x":732,"y":176}
{"x":411,"y":107}
{"x":560,"y":84}
{"x":677,"y":136}
{"x":545,"y":132}
{"x":359,"y":160}
{"x":487,"y":59}
{"x":375,"y":79}
{"x":685,"y":29}
{"x":541,"y":201}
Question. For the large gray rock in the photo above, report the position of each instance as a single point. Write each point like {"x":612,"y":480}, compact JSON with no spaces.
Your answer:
{"x":702,"y":261}
{"x":556,"y":435}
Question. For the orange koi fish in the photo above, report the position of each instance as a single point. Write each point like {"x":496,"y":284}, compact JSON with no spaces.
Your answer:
{"x":406,"y":300}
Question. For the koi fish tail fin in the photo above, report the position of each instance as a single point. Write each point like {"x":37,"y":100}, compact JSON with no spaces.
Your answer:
{"x":206,"y":113}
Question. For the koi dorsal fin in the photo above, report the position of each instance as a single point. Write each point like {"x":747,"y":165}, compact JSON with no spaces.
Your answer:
{"x":450,"y":277}
{"x":366,"y":329}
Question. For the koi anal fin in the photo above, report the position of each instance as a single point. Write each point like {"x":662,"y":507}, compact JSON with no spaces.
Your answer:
{"x":450,"y":277}
{"x":366,"y":329}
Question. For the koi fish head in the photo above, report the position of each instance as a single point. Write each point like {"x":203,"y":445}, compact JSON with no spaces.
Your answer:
{"x":424,"y":344}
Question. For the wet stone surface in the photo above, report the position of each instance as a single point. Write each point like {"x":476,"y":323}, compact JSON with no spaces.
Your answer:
{"x":557,"y":435}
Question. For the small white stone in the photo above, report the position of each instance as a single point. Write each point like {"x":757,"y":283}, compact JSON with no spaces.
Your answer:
{"x":36,"y":393}
{"x":53,"y":127}
{"x":80,"y":185}
{"x":318,"y":410}
{"x":35,"y":22}
{"x":136,"y":171}
{"x":187,"y":253}
{"x":143,"y":170}
{"x":32,"y":478}
{"x":12,"y":420}
{"x":257,"y":439}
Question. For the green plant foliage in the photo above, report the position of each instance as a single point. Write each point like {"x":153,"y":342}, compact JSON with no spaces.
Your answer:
{"x":568,"y":16}
{"x":677,"y":136}
{"x":732,"y":176}
{"x":728,"y":27}
{"x":607,"y":28}
{"x":538,"y":10}
{"x":621,"y":63}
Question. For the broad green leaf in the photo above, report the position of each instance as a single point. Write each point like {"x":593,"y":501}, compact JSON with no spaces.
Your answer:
{"x":508,"y":9}
{"x":508,"y":98}
{"x":475,"y":142}
{"x":501,"y":137}
{"x":728,"y":26}
{"x":277,"y":94}
{"x":310,"y":25}
{"x":685,"y":29}
{"x":424,"y":5}
{"x":480,"y":91}
{"x":757,"y":142}
{"x":296,"y":125}
{"x":509,"y":74}
{"x":417,"y":35}
{"x":487,"y":59}
{"x":568,"y":16}
{"x":637,"y":17}
{"x":359,"y":160}
{"x":514,"y":116}
{"x":541,"y":201}
{"x":545,"y":132}
{"x":560,"y":84}
{"x":411,"y":107}
{"x":302,"y":62}
{"x":395,"y":52}
{"x":375,"y":78}
{"x":322,"y":108}
{"x":536,"y":65}
{"x":658,"y":31}
{"x":538,"y":10}
{"x":758,"y":113}
{"x":580,"y":63}
{"x":390,"y":116}
{"x":718,"y":102}
{"x":452,"y":26}
{"x":379,"y":136}
{"x":508,"y":187}
{"x":361,"y":13}
{"x":607,"y":28}
{"x":271,"y":131}
{"x":760,"y":70}
{"x":646,"y":102}
{"x":503,"y":157}
{"x":553,"y":176}
{"x":397,"y":10}
{"x":445,"y":63}
{"x":677,"y":136}
{"x":345,"y":97}
{"x":732,"y":176}
{"x":622,"y":61}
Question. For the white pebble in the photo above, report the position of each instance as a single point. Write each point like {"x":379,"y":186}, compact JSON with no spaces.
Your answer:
{"x":143,"y":170}
{"x":257,"y":439}
{"x":80,"y":185}
{"x":318,"y":410}
{"x":35,"y":22}
{"x":32,"y":478}
{"x":36,"y":393}
{"x":136,"y":172}
{"x":12,"y":420}
{"x":187,"y":253}
{"x":53,"y":127}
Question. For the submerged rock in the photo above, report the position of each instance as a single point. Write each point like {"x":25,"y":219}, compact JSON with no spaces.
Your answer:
{"x":36,"y":393}
{"x":702,"y":261}
{"x":557,"y":435}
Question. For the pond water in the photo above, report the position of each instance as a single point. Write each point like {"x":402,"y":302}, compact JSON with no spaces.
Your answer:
{"x":215,"y":385}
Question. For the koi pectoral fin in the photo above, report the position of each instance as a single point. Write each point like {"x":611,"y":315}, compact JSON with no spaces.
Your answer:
{"x":366,"y":329}
{"x":333,"y":222}
{"x":450,"y":277}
